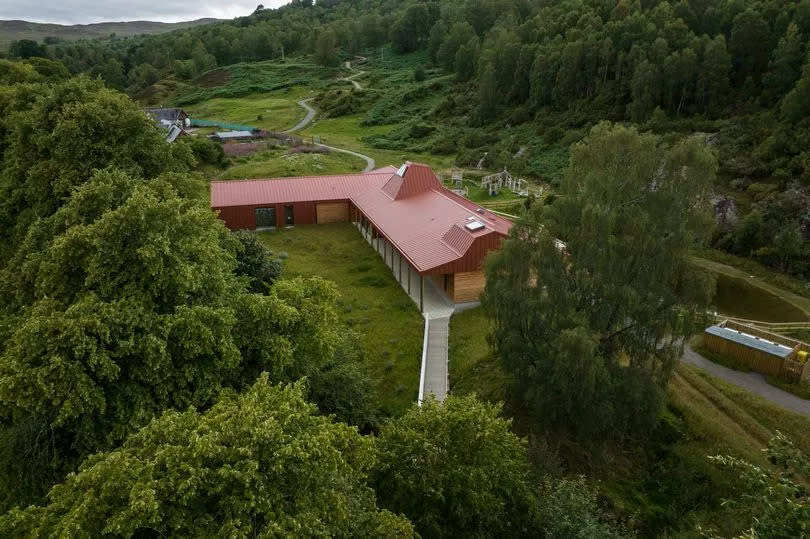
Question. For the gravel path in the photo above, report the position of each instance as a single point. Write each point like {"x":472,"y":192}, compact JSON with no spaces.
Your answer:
{"x":311,"y":112}
{"x":307,"y":119}
{"x":351,"y":78}
{"x":751,"y":381}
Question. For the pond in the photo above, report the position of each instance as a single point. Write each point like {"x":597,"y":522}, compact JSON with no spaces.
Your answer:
{"x":740,"y":299}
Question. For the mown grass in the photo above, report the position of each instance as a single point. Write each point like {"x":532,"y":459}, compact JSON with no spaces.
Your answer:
{"x":280,"y":163}
{"x":275,"y":111}
{"x":372,"y":303}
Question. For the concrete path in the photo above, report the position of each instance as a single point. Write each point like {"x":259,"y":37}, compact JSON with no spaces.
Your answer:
{"x":751,"y":381}
{"x":307,"y":119}
{"x":436,"y":360}
{"x":437,"y":309}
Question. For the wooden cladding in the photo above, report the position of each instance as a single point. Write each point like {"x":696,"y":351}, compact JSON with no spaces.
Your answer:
{"x":467,"y":286}
{"x":332,"y":212}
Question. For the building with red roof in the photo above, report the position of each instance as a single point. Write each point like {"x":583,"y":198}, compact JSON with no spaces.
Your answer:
{"x":435,"y":232}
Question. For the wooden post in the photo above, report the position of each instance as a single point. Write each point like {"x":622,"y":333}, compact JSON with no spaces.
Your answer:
{"x":409,"y":279}
{"x":421,"y":293}
{"x":399,"y":257}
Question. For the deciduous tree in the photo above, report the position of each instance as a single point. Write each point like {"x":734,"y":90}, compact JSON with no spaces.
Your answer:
{"x":590,"y":332}
{"x":260,"y":463}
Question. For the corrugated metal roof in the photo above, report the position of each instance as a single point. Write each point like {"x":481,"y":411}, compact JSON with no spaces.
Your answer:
{"x":425,"y":221}
{"x":427,"y":227}
{"x":234,"y":134}
{"x":301,"y":189}
{"x":750,"y":341}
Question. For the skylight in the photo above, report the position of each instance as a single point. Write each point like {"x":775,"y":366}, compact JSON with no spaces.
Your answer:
{"x":474,"y":226}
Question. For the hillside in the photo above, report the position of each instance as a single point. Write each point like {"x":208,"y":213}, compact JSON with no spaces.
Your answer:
{"x":14,"y":30}
{"x":519,"y":82}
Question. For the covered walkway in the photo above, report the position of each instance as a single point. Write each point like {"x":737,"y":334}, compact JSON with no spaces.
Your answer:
{"x":435,"y":306}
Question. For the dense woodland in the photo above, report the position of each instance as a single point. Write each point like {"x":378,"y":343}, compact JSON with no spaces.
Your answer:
{"x":735,"y":70}
{"x":137,"y":332}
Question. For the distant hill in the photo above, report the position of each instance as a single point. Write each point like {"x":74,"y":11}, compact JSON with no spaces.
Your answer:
{"x":13,"y":30}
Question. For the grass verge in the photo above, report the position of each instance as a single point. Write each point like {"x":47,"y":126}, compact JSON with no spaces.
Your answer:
{"x":372,"y":303}
{"x":473,"y":366}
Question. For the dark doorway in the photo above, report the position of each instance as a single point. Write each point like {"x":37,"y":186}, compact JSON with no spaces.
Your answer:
{"x":265,"y":217}
{"x":289,"y":219}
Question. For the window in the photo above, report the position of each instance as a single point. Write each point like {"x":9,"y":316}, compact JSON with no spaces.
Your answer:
{"x":265,"y":217}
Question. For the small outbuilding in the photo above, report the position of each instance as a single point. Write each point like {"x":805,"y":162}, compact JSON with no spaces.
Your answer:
{"x":232,"y":136}
{"x":758,"y":350}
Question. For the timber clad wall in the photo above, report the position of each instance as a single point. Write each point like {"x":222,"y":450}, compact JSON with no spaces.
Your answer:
{"x":471,"y":261}
{"x":332,"y":212}
{"x":756,"y":360}
{"x":467,"y":286}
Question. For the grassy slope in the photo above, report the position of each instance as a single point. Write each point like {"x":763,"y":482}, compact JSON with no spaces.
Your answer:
{"x":372,"y":303}
{"x":279,"y":110}
{"x":346,"y":132}
{"x":280,"y":163}
{"x":667,"y":481}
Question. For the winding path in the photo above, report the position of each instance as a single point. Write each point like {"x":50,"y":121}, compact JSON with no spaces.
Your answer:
{"x":307,"y":119}
{"x":370,"y":164}
{"x":310,"y":116}
{"x":750,"y":381}
{"x":351,"y":78}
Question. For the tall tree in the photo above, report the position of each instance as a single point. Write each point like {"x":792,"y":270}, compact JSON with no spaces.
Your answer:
{"x":326,"y":52}
{"x":125,"y":303}
{"x":591,"y":329}
{"x":455,"y":469}
{"x":56,"y":144}
{"x":750,"y":44}
{"x":785,"y":66}
{"x":261,"y":463}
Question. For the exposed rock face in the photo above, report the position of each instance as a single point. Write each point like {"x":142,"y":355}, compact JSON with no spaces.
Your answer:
{"x":725,"y":211}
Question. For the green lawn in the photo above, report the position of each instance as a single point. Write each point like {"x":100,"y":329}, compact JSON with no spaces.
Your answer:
{"x":279,"y":110}
{"x":473,"y":366}
{"x":279,"y":163}
{"x":346,"y":132}
{"x":372,"y":303}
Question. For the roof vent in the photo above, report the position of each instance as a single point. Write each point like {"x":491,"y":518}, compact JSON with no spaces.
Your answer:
{"x":474,"y":226}
{"x":480,"y":210}
{"x":402,"y":170}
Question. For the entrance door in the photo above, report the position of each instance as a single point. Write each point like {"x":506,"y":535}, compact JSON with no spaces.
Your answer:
{"x":265,"y":217}
{"x":289,"y":219}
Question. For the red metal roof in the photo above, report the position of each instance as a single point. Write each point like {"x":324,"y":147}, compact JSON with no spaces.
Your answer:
{"x":302,"y":189}
{"x":427,"y":223}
